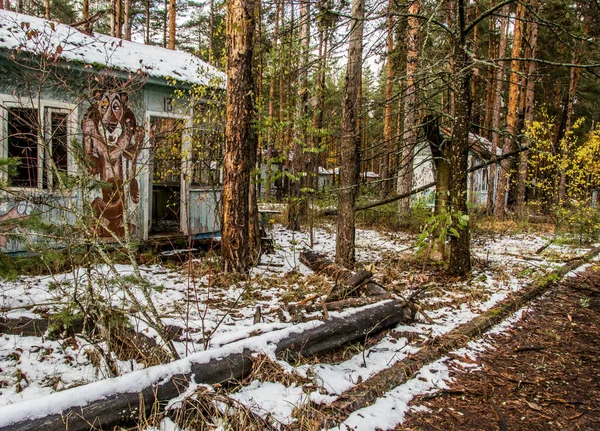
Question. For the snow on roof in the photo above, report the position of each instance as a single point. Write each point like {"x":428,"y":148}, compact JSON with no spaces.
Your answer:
{"x":39,"y":36}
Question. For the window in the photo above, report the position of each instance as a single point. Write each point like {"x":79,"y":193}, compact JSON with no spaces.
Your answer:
{"x":207,"y":150}
{"x":23,"y":129}
{"x":40,"y":156}
{"x":208,"y":140}
{"x":56,"y":160}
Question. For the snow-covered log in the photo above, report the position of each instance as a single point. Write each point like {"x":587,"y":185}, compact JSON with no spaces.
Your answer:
{"x":120,"y":400}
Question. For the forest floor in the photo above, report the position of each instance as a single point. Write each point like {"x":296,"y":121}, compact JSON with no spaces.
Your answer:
{"x":214,"y":312}
{"x":543,"y":373}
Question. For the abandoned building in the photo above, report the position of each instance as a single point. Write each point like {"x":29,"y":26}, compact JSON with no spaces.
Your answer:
{"x":105,"y":137}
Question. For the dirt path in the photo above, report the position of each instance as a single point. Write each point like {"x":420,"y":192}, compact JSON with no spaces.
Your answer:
{"x":543,"y":374}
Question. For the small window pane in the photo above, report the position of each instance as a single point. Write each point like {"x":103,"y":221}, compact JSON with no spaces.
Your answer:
{"x":59,"y":143}
{"x":23,"y":129}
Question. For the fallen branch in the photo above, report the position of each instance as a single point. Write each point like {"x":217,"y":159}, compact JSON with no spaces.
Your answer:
{"x":347,"y":282}
{"x":120,"y":400}
{"x":368,"y":391}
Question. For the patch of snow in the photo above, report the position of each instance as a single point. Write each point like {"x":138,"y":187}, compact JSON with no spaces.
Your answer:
{"x":271,"y":399}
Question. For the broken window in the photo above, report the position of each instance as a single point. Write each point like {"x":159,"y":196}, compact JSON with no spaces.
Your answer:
{"x":23,"y":146}
{"x":38,"y":158}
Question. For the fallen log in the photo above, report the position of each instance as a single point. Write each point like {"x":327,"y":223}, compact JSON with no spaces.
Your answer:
{"x":347,"y":282}
{"x":338,"y":305}
{"x":123,"y":399}
{"x":368,"y":391}
{"x":125,"y":342}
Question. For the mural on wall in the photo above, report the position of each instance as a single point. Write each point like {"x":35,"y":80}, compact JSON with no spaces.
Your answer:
{"x":10,"y":220}
{"x":112,"y":143}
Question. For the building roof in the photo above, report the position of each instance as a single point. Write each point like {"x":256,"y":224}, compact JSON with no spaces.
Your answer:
{"x":38,"y":36}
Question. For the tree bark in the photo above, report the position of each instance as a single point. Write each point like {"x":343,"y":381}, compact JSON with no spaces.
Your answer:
{"x":411,"y":118}
{"x":271,"y":111}
{"x":460,"y":244}
{"x":172,"y":23}
{"x":350,"y":142}
{"x":388,"y":143}
{"x":147,"y":23}
{"x":238,"y":135}
{"x":297,"y":202}
{"x":497,"y":107}
{"x":440,"y":151}
{"x":127,"y":20}
{"x":118,"y":19}
{"x":511,"y":115}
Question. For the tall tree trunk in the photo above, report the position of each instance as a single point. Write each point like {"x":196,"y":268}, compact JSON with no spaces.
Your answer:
{"x":388,"y":144}
{"x":297,"y":204}
{"x":440,"y":151}
{"x":497,"y":110}
{"x":172,"y":23}
{"x":239,"y":139}
{"x":113,"y":17}
{"x":166,"y":24}
{"x":319,"y":105}
{"x":460,"y":245}
{"x":497,"y":106}
{"x":85,"y":9}
{"x":119,"y":18}
{"x":350,"y":143}
{"x":47,"y":9}
{"x":528,"y":108}
{"x":271,"y":111}
{"x":127,"y":20}
{"x":147,"y":23}
{"x":511,"y":115}
{"x":211,"y":33}
{"x":411,"y":118}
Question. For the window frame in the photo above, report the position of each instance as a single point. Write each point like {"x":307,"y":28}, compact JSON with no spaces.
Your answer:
{"x":44,"y":108}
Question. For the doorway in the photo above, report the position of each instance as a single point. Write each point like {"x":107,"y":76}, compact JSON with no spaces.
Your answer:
{"x":166,"y":136}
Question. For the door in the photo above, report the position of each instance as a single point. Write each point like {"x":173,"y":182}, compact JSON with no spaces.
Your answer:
{"x":168,"y":188}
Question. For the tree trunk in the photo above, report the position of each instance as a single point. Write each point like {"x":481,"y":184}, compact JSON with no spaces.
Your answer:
{"x":127,"y":20}
{"x":172,"y":23}
{"x":350,"y":142}
{"x":511,"y":115}
{"x":239,"y":141}
{"x":85,"y":9}
{"x":388,"y":143}
{"x":147,"y":23}
{"x":460,"y":242}
{"x":497,"y":106}
{"x":271,"y":112}
{"x":529,"y":106}
{"x":411,"y":118}
{"x":297,"y":202}
{"x":119,"y":18}
{"x":211,"y":33}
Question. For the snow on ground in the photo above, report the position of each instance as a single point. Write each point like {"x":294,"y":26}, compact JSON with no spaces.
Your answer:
{"x":215,"y":316}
